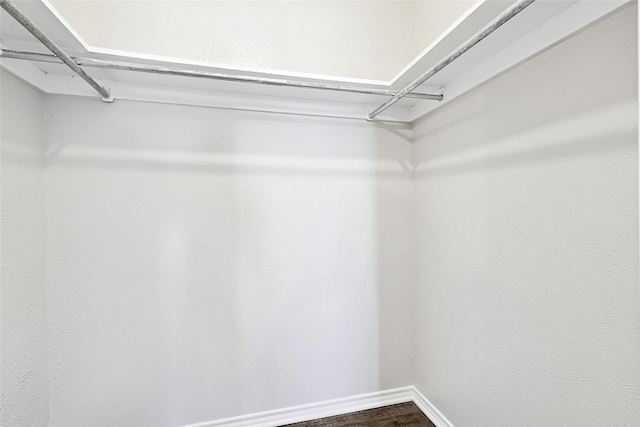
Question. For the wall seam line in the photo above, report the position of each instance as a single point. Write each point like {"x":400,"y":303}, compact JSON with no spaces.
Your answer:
{"x":412,"y":229}
{"x":46,"y":245}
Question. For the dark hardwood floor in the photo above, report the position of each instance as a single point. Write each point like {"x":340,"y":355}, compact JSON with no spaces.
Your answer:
{"x":400,"y":415}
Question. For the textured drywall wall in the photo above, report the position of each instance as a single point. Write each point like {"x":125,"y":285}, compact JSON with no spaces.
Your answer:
{"x":526,"y":213}
{"x":206,"y":263}
{"x":24,"y":392}
{"x":366,"y":40}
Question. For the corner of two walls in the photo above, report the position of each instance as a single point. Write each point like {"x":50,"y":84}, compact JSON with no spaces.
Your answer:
{"x":24,"y":387}
{"x":200,"y":263}
{"x":213,"y":263}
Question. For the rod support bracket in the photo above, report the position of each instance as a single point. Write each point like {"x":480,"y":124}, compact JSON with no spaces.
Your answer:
{"x":109,"y":99}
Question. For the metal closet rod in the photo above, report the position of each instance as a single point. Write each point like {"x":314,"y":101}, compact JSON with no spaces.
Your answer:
{"x":53,"y":47}
{"x":490,"y":28}
{"x":155,"y":69}
{"x":74,"y":63}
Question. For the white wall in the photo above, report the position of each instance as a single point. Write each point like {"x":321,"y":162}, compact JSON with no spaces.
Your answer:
{"x":526,"y":213}
{"x":206,"y":263}
{"x":24,"y":391}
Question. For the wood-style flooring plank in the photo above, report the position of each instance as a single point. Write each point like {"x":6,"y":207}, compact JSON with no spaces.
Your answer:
{"x":400,"y":415}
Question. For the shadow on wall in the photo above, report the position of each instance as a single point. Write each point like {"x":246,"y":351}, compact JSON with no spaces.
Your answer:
{"x":205,"y":263}
{"x":540,"y":125}
{"x":204,"y":140}
{"x":559,"y":138}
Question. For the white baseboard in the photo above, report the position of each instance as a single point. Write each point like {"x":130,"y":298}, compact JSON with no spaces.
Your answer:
{"x":430,"y":410}
{"x":318,"y":410}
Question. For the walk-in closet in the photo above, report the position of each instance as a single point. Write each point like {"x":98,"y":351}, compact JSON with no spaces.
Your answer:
{"x":259,"y":213}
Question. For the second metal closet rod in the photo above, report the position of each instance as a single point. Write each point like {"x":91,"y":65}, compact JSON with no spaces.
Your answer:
{"x":493,"y":25}
{"x":170,"y":71}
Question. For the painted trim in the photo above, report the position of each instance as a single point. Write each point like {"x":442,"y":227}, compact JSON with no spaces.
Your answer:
{"x":430,"y":410}
{"x":26,"y":72}
{"x":67,"y":85}
{"x":415,"y":61}
{"x":66,"y":24}
{"x":317,"y":410}
{"x":562,"y":26}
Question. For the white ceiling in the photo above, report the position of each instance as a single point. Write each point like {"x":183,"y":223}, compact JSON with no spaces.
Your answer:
{"x":367,"y":40}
